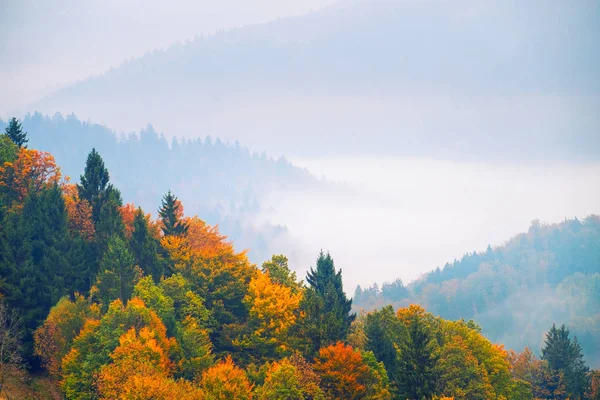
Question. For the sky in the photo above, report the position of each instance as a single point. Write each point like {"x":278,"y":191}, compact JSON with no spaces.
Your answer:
{"x":45,"y":45}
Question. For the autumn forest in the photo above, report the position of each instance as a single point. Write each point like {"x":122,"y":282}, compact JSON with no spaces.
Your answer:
{"x":101,"y":301}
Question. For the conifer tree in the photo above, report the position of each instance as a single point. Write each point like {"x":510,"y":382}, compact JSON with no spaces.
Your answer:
{"x":14,"y":131}
{"x":118,"y":273}
{"x":144,"y":247}
{"x":171,"y":213}
{"x":94,"y":183}
{"x":326,"y":306}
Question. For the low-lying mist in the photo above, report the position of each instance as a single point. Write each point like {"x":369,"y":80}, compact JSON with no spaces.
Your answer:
{"x":407,"y":216}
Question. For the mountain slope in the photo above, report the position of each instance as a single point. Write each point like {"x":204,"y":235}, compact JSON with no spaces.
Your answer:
{"x":551,"y":274}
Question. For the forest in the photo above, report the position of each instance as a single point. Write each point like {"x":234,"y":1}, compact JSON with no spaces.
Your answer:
{"x":558,"y":265}
{"x":222,"y":182}
{"x":101,"y":301}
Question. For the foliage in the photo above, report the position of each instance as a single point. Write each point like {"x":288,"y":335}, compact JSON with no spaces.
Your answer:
{"x":225,"y":381}
{"x":325,"y":306}
{"x":14,"y":131}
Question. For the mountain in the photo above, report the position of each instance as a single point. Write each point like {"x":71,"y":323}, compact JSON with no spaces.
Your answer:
{"x":462,"y":79}
{"x":516,"y":291}
{"x":223,"y":183}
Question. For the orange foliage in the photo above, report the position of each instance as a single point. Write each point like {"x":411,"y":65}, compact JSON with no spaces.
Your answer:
{"x":342,"y":371}
{"x":128,"y":215}
{"x":407,"y":314}
{"x":139,"y":355}
{"x":79,"y":212}
{"x":225,"y":381}
{"x":31,"y":171}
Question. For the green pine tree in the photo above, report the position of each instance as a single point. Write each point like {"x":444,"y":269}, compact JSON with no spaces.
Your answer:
{"x":326,"y":306}
{"x":94,"y":183}
{"x":170,"y":213}
{"x":416,"y":360}
{"x":144,"y":247}
{"x":14,"y":131}
{"x":118,"y":273}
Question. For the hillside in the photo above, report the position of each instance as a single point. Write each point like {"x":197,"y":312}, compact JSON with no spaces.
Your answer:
{"x":514,"y":291}
{"x":372,"y":76}
{"x":103,"y":301}
{"x":225,"y":183}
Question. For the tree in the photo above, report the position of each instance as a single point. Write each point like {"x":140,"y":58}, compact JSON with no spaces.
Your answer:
{"x":8,"y":150}
{"x":144,"y":246}
{"x":225,"y":381}
{"x":345,"y":375}
{"x":273,"y":310}
{"x":460,"y":374}
{"x":171,"y":215}
{"x":564,"y":355}
{"x":118,"y":272}
{"x":282,"y":382}
{"x":10,"y":342}
{"x":385,"y":333}
{"x":54,"y":338}
{"x":93,"y":183}
{"x":96,"y":341}
{"x":14,"y":131}
{"x":417,"y":355}
{"x":280,"y":273}
{"x":325,"y":305}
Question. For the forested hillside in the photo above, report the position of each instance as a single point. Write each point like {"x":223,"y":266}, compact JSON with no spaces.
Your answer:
{"x":102,"y":301}
{"x":222,"y":182}
{"x":514,"y":291}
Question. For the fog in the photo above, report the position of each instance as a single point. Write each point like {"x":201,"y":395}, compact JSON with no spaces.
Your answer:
{"x":409,"y":216}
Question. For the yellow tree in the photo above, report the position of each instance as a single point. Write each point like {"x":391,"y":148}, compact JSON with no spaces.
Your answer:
{"x":273,"y":310}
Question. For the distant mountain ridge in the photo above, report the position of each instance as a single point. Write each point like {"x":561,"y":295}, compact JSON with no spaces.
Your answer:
{"x":382,"y":76}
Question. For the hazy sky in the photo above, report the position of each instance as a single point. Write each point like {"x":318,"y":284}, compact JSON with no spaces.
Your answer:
{"x":47,"y":44}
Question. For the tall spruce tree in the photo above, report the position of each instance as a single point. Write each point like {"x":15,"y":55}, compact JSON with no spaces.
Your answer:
{"x":326,"y":306}
{"x":94,"y":183}
{"x":170,"y":213}
{"x":144,"y":247}
{"x":118,"y":273}
{"x":564,"y":356}
{"x":14,"y":131}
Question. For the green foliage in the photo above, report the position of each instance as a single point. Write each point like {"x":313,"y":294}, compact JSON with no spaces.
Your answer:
{"x":280,"y":273}
{"x":144,"y":247}
{"x":325,"y":305}
{"x":8,"y":150}
{"x":564,"y":355}
{"x":171,"y":213}
{"x":93,"y":183}
{"x":14,"y":131}
{"x":118,"y":273}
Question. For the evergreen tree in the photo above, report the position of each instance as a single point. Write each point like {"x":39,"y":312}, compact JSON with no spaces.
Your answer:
{"x":14,"y":131}
{"x":564,"y":356}
{"x":171,"y":213}
{"x":39,"y":260}
{"x":118,"y":273}
{"x":327,"y":309}
{"x":94,"y":183}
{"x":417,"y":358}
{"x":144,"y":247}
